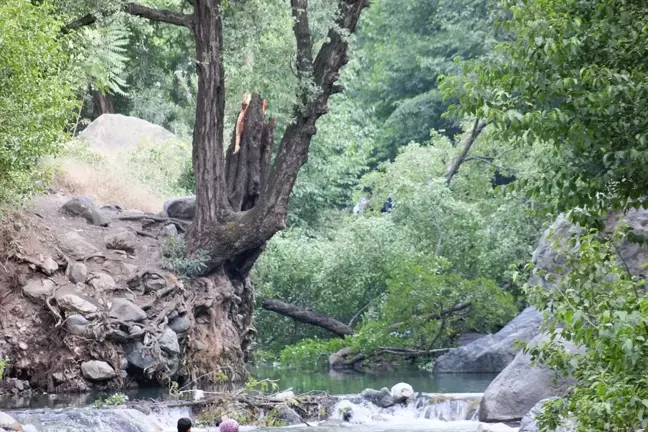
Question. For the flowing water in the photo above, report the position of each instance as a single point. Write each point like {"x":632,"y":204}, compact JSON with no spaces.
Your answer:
{"x":429,"y":412}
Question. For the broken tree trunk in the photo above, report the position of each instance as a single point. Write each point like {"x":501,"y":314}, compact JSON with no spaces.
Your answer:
{"x":242,"y":198}
{"x":308,"y":317}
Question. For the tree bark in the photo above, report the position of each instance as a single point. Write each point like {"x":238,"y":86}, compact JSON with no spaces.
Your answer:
{"x":103,"y":103}
{"x":478,"y":128}
{"x":308,"y":317}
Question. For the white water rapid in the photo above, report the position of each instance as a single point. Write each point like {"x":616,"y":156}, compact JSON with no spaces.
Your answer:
{"x":424,"y":413}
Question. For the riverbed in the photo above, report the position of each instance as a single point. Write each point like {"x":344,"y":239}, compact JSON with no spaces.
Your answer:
{"x":445,"y":403}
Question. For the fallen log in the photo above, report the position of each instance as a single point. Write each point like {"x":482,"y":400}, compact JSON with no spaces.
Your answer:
{"x":308,"y":317}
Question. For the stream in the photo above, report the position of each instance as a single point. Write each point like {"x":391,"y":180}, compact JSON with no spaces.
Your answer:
{"x":446,"y":404}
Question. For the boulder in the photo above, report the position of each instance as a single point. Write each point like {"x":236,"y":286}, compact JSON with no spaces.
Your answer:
{"x":170,"y":231}
{"x":381,"y":398}
{"x":521,"y":385}
{"x":8,"y":423}
{"x":39,"y":289}
{"x":181,"y":324}
{"x":78,"y":273}
{"x":181,"y":207}
{"x":49,"y":266}
{"x":102,"y":282}
{"x":75,"y":247}
{"x":77,"y":325}
{"x":96,"y":370}
{"x":491,"y":353}
{"x":85,"y":208}
{"x":548,"y":256}
{"x":169,"y":342}
{"x":468,"y":338}
{"x":71,"y":301}
{"x":138,"y":356}
{"x":125,"y":310}
{"x":115,"y":132}
{"x":121,"y":239}
{"x":401,"y":392}
{"x":529,"y":424}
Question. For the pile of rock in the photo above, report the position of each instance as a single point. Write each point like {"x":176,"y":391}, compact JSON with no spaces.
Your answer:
{"x":521,"y":388}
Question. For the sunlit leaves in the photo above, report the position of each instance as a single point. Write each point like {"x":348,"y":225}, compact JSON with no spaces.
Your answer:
{"x":36,"y":101}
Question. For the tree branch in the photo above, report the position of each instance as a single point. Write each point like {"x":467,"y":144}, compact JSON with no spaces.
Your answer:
{"x":477,"y":129}
{"x":161,"y":15}
{"x":305,"y":316}
{"x":443,"y":314}
{"x":303,"y":38}
{"x":80,"y":22}
{"x":342,"y":360}
{"x":293,"y":149}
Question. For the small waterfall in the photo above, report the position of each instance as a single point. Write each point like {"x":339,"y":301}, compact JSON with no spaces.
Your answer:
{"x":433,"y":407}
{"x":99,"y":420}
{"x":450,"y":407}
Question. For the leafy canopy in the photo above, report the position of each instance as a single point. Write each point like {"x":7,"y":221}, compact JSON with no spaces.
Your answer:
{"x":573,"y":76}
{"x":36,"y":97}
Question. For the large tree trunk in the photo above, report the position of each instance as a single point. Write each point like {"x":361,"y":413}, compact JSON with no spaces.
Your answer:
{"x":241,"y":199}
{"x":103,"y":103}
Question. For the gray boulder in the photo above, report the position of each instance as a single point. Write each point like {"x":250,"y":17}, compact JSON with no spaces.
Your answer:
{"x":115,"y":132}
{"x":181,"y":207}
{"x":85,"y":208}
{"x":138,"y":356}
{"x":77,"y":325}
{"x":39,"y":289}
{"x":102,"y":282}
{"x":121,"y":239}
{"x":75,"y":247}
{"x":381,"y":398}
{"x":169,"y":342}
{"x":494,"y":352}
{"x":75,"y":303}
{"x":522,"y":385}
{"x":96,"y":370}
{"x":529,"y":423}
{"x":548,"y":257}
{"x":126,"y":310}
{"x":181,"y":324}
{"x":78,"y":272}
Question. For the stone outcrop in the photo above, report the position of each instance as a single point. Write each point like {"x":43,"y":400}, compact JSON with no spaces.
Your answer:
{"x":494,"y":352}
{"x":529,"y":423}
{"x":521,"y":385}
{"x":125,"y":310}
{"x":39,"y":289}
{"x":121,"y":239}
{"x":401,"y":392}
{"x":381,"y":398}
{"x":116,"y":132}
{"x":181,"y":207}
{"x":85,"y":208}
{"x":96,"y":370}
{"x":75,"y":247}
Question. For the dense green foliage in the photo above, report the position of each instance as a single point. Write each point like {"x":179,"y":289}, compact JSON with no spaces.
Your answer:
{"x":360,"y":268}
{"x":404,"y":46}
{"x":574,"y":77}
{"x":36,"y":98}
{"x":602,"y":308}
